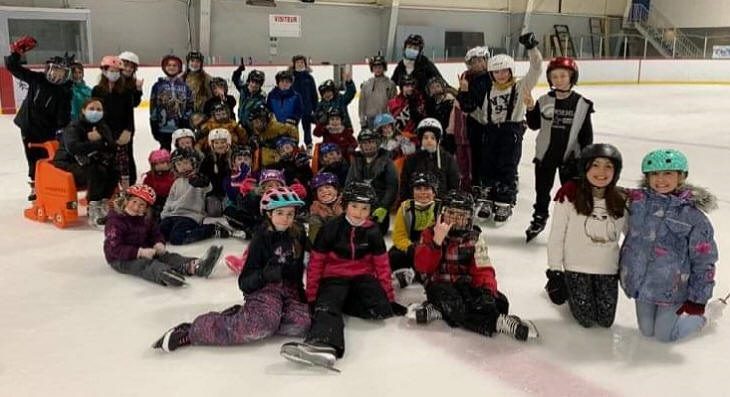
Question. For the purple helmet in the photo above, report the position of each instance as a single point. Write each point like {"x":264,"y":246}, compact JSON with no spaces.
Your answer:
{"x":327,"y":148}
{"x":286,"y":140}
{"x":271,"y":175}
{"x":324,"y":178}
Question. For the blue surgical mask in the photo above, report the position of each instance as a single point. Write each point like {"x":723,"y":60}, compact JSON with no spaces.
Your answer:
{"x":93,"y":116}
{"x":410,"y":53}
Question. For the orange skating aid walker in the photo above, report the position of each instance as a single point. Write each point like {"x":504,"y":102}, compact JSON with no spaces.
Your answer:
{"x":57,"y":197}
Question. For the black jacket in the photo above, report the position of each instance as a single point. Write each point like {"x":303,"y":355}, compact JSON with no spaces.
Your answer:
{"x":380,"y":173}
{"x":216,"y":168}
{"x":76,"y":148}
{"x":47,"y":106}
{"x":423,"y":161}
{"x":118,"y":108}
{"x":473,"y":99}
{"x":423,"y":70}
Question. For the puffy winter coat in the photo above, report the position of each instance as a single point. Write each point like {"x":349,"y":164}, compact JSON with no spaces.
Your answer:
{"x":160,"y":182}
{"x":305,"y":86}
{"x":340,"y":101}
{"x":374,"y":96}
{"x":125,"y":234}
{"x":76,"y":148}
{"x":80,"y":93}
{"x":171,"y":104}
{"x":267,"y":140}
{"x":423,"y":71}
{"x":286,"y":105}
{"x":440,"y":163}
{"x":379,"y":173}
{"x":669,"y":253}
{"x":345,"y":139}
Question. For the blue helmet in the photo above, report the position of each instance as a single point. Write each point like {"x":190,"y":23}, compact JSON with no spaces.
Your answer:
{"x":279,"y":197}
{"x":327,"y":148}
{"x":286,"y":140}
{"x":383,"y":119}
{"x":665,"y":160}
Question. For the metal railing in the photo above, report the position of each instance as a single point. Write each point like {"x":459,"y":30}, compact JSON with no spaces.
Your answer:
{"x":669,"y":40}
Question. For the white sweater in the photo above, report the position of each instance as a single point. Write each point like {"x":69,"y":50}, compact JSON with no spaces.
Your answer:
{"x":584,"y":244}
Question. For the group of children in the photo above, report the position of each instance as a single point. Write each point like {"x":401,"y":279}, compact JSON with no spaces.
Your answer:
{"x":418,"y":152}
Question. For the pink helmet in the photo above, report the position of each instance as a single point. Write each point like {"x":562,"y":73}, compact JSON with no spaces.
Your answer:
{"x":111,"y":61}
{"x":159,"y":156}
{"x":143,"y":192}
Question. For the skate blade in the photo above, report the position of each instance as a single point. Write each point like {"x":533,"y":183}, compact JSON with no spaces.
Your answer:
{"x":296,"y":357}
{"x":533,"y":333}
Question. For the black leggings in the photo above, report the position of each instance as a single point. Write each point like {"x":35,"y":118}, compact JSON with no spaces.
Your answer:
{"x":592,"y":298}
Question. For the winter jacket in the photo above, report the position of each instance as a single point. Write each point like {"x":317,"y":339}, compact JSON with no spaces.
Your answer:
{"x":440,"y":108}
{"x":669,"y":253}
{"x":216,"y":167}
{"x":440,"y":163}
{"x":305,"y":86}
{"x":46,"y":107}
{"x":239,"y":135}
{"x":460,"y":258}
{"x":400,"y":145}
{"x":230,"y":101}
{"x":286,"y":105}
{"x":160,"y":182}
{"x":410,"y":221}
{"x":267,"y":140}
{"x":77,"y":149}
{"x":472,"y":100}
{"x":344,"y":251}
{"x":270,"y":248}
{"x":374,"y":96}
{"x":407,"y":111}
{"x":246,"y":99}
{"x":80,"y":92}
{"x":320,"y":213}
{"x":344,"y":139}
{"x":125,"y":234}
{"x":118,"y":109}
{"x":233,"y":182}
{"x":580,"y":129}
{"x":505,"y":104}
{"x":340,"y":169}
{"x":171,"y":104}
{"x":186,"y":200}
{"x":199,"y":84}
{"x":380,"y":173}
{"x":339,"y":101}
{"x":296,"y":168}
{"x":423,"y":70}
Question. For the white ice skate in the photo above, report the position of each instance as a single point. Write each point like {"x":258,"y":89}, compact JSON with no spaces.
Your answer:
{"x":312,"y":355}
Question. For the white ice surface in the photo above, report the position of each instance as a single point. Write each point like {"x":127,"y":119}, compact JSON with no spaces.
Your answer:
{"x":72,"y":326}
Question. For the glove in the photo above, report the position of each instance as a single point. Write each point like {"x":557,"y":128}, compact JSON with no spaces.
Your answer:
{"x":272,"y":271}
{"x":556,"y":288}
{"x":159,"y":248}
{"x":398,"y":309}
{"x":567,"y":191}
{"x":241,"y":67}
{"x":147,"y":253}
{"x":23,"y":45}
{"x":199,"y":180}
{"x":379,"y":214}
{"x":301,"y":159}
{"x":528,"y":40}
{"x":248,"y":185}
{"x":691,"y":308}
{"x":299,"y":189}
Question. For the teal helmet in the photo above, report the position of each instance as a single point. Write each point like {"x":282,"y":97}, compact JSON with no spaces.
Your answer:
{"x":664,"y":160}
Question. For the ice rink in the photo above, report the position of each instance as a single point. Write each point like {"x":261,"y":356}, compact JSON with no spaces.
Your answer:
{"x":72,"y":326}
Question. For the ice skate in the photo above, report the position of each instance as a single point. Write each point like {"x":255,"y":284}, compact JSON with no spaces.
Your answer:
{"x":312,"y":355}
{"x":207,"y":262}
{"x":423,"y":313}
{"x":171,"y":278}
{"x":175,"y":337}
{"x":404,"y":277}
{"x":536,"y":226}
{"x":223,"y":230}
{"x":518,"y":329}
{"x":96,"y":215}
{"x":502,"y":212}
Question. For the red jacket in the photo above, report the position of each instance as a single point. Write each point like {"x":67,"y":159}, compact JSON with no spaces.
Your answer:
{"x":159,"y":182}
{"x":345,"y":140}
{"x":408,"y":112}
{"x":454,"y":260}
{"x":344,"y":251}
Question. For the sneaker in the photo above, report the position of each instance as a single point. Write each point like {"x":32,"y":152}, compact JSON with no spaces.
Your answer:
{"x":512,"y":325}
{"x":207,"y":262}
{"x":502,"y":212}
{"x":427,"y":313}
{"x":176,"y":337}
{"x":404,"y":277}
{"x":308,"y":354}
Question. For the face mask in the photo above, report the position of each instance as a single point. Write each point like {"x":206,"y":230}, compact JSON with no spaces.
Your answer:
{"x":111,"y":75}
{"x":280,"y":228}
{"x":430,"y":149}
{"x":410,"y":53}
{"x":301,"y":69}
{"x":93,"y":116}
{"x":353,"y":223}
{"x":193,"y":68}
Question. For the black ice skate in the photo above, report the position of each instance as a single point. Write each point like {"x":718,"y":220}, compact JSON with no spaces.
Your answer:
{"x":207,"y":262}
{"x":176,"y":337}
{"x":171,"y":278}
{"x":484,"y":203}
{"x":536,"y":226}
{"x":223,"y":230}
{"x":404,"y":277}
{"x":423,"y":313}
{"x":502,"y":212}
{"x":514,"y":326}
{"x":312,"y":355}
{"x":240,"y":226}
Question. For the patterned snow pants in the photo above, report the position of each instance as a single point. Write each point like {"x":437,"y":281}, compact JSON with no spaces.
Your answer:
{"x":592,"y":298}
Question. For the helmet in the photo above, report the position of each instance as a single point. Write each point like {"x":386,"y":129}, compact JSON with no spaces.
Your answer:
{"x":159,"y":156}
{"x":458,"y":199}
{"x":111,"y":61}
{"x":476,"y":52}
{"x":256,"y":76}
{"x":279,"y":197}
{"x":665,"y":160}
{"x":563,"y":63}
{"x":414,"y":40}
{"x":606,"y":150}
{"x":185,"y":154}
{"x":220,"y":107}
{"x":383,"y":119}
{"x":324,"y":178}
{"x":435,"y":80}
{"x":378,"y":60}
{"x":407,"y":79}
{"x":328,"y":85}
{"x":182,"y":133}
{"x":298,"y":57}
{"x":286,"y":140}
{"x":327,"y":148}
{"x":335,"y":112}
{"x":219,"y":81}
{"x":58,"y":63}
{"x":429,"y":124}
{"x":270,"y":174}
{"x":170,"y":57}
{"x":367,"y":134}
{"x":219,"y":134}
{"x":196,"y":55}
{"x":359,"y":192}
{"x":424,"y":179}
{"x":284,"y":75}
{"x":144,"y":192}
{"x":240,"y":151}
{"x":499,"y":62}
{"x":129,"y":57}
{"x":259,"y":112}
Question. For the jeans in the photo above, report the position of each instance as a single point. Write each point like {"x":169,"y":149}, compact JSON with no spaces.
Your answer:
{"x":663,"y":322}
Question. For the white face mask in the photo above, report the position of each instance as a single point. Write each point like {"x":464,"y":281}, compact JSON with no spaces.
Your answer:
{"x":353,"y":223}
{"x":193,"y":68}
{"x":111,"y":75}
{"x":280,"y":228}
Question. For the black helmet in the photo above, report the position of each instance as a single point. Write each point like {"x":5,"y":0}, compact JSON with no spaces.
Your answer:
{"x":424,"y":179}
{"x":407,"y":79}
{"x":195,"y":55}
{"x":335,"y":112}
{"x":367,"y":134}
{"x":260,"y":111}
{"x":414,"y":40}
{"x":256,"y":76}
{"x":284,"y":75}
{"x":220,"y":107}
{"x":378,"y":60}
{"x":606,"y":150}
{"x":359,"y":192}
{"x":238,"y":150}
{"x":218,"y":81}
{"x":184,"y":154}
{"x":458,"y":199}
{"x":328,"y":85}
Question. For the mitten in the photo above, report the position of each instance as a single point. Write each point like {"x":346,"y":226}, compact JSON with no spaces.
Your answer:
{"x":556,"y":288}
{"x":379,"y":214}
{"x":566,"y":192}
{"x":23,"y":45}
{"x":299,"y":189}
{"x":528,"y":40}
{"x":199,"y":180}
{"x":398,"y":309}
{"x":691,"y":308}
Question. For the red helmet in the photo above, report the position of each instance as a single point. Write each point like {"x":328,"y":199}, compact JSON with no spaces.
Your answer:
{"x":143,"y":192}
{"x":563,"y":63}
{"x":169,"y":57}
{"x":111,"y":61}
{"x":159,"y":156}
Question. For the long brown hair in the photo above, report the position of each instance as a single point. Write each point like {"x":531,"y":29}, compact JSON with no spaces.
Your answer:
{"x":615,"y":199}
{"x":119,"y":86}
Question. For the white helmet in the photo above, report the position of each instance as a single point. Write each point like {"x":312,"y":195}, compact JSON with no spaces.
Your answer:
{"x":219,"y":133}
{"x":182,"y":133}
{"x":129,"y":56}
{"x":501,"y":61}
{"x":476,"y":52}
{"x":432,"y":125}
